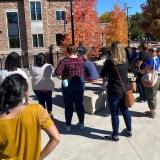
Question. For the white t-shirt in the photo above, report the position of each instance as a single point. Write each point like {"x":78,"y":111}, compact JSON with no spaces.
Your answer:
{"x":42,"y":77}
{"x":4,"y":73}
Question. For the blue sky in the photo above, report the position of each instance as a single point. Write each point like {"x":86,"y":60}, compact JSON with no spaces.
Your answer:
{"x":107,"y":5}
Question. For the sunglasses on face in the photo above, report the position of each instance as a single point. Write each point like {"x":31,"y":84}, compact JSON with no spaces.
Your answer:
{"x":152,"y":50}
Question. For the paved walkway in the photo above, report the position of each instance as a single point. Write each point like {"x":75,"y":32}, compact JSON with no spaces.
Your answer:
{"x":89,"y":144}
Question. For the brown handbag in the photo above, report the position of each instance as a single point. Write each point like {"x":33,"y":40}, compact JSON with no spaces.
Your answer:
{"x":129,"y":97}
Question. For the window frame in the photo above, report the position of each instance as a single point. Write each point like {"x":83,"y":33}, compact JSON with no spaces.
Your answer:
{"x":59,"y":10}
{"x":19,"y":35}
{"x":37,"y":36}
{"x":57,"y":37}
{"x":35,"y":1}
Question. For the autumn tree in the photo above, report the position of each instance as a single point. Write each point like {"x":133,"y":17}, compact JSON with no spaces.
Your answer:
{"x":85,"y":24}
{"x":151,"y":18}
{"x":117,"y":28}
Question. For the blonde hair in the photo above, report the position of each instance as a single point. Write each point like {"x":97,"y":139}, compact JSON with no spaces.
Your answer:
{"x":118,"y":53}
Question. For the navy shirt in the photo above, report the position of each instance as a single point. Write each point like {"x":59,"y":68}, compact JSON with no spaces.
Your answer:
{"x":90,"y":70}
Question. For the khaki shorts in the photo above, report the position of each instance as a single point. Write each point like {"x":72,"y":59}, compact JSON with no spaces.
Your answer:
{"x":151,"y":94}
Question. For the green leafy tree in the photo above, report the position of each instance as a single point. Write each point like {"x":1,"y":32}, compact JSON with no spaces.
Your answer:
{"x":104,"y":18}
{"x":151,"y":18}
{"x":135,"y":29}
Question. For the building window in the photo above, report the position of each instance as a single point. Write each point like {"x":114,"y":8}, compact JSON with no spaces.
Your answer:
{"x":60,"y":15}
{"x":36,"y":11}
{"x":59,"y":39}
{"x":38,"y":40}
{"x":13,"y":29}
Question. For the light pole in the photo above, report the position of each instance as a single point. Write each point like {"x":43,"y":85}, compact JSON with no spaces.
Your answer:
{"x":128,"y":22}
{"x":72,"y":21}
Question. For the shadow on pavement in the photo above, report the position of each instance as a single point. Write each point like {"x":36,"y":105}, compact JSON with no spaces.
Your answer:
{"x":137,"y":114}
{"x":106,"y":113}
{"x":103,"y":113}
{"x":97,"y":89}
{"x":87,"y":132}
{"x":58,"y":101}
{"x":57,"y":90}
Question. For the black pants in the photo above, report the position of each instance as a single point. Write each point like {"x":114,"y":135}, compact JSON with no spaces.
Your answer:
{"x":44,"y":98}
{"x":73,"y":94}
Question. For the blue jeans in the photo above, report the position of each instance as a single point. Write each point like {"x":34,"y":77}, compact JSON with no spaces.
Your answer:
{"x":74,"y":94}
{"x":44,"y":98}
{"x":115,"y":103}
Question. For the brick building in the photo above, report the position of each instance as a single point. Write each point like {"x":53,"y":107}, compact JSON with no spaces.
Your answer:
{"x":31,"y":26}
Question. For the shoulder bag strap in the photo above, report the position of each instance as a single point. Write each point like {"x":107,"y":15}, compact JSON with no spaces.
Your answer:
{"x":119,"y":76}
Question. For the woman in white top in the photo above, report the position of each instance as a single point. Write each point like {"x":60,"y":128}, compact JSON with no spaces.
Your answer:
{"x":12,"y":64}
{"x":42,"y":82}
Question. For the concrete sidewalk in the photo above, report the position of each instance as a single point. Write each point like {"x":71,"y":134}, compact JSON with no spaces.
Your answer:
{"x":89,"y":144}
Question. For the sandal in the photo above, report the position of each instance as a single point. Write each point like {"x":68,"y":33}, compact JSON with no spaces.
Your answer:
{"x":150,"y":114}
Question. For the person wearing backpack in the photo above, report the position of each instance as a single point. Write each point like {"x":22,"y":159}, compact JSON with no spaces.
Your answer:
{"x":151,"y":82}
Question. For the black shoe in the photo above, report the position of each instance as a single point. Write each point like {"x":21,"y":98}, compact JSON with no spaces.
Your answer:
{"x":127,"y":133}
{"x":139,"y":100}
{"x":111,"y":138}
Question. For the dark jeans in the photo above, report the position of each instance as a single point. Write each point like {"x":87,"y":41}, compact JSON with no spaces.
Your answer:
{"x":73,"y":94}
{"x":140,"y":87}
{"x":44,"y":98}
{"x":115,"y":103}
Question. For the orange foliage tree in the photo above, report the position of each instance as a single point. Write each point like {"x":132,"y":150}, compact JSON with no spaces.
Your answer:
{"x":85,"y":25}
{"x":117,"y":28}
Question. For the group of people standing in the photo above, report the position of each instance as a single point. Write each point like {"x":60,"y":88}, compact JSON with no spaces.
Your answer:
{"x":22,"y":121}
{"x":148,"y":60}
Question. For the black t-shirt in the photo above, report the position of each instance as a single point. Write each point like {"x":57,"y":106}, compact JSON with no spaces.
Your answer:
{"x":114,"y":83}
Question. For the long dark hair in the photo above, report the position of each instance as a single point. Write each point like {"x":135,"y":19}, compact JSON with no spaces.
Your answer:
{"x":12,"y":92}
{"x":40,"y":59}
{"x":12,"y":61}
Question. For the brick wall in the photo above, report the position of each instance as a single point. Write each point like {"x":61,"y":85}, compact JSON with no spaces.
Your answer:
{"x":50,"y":25}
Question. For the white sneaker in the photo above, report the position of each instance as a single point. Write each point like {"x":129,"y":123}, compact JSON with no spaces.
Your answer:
{"x":68,"y":128}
